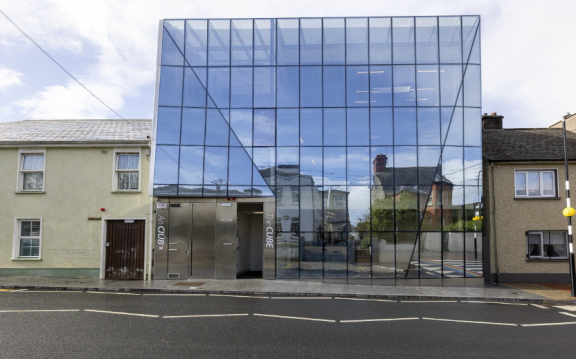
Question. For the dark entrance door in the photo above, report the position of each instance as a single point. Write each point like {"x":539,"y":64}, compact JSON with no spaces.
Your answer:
{"x":125,"y":249}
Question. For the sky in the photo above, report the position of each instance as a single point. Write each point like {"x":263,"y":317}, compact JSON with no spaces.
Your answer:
{"x":528,"y":51}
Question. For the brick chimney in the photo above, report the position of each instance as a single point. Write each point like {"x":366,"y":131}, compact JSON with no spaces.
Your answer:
{"x":379,"y":163}
{"x":491,"y":122}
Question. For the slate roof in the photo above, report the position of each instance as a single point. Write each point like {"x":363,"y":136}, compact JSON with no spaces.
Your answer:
{"x":74,"y":132}
{"x":527,"y":144}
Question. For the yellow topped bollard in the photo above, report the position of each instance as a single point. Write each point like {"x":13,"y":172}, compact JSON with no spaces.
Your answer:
{"x":568,"y":212}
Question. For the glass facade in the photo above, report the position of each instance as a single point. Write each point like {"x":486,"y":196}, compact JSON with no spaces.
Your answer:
{"x":367,"y":131}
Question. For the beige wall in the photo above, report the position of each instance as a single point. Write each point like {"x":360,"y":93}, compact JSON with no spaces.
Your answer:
{"x":514,"y":217}
{"x":78,"y":182}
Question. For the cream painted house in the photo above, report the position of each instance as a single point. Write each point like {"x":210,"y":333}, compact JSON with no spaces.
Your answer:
{"x":74,"y":198}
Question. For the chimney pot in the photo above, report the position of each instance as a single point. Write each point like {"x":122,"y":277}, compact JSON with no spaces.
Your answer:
{"x":494,"y":114}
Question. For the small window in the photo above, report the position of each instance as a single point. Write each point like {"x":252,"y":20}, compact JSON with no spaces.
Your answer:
{"x":279,"y":194}
{"x":531,"y":184}
{"x":32,"y":172}
{"x":295,"y":194}
{"x":295,"y":224}
{"x":339,"y":201}
{"x":547,"y":245}
{"x":28,"y":240}
{"x":128,"y":171}
{"x":278,"y":225}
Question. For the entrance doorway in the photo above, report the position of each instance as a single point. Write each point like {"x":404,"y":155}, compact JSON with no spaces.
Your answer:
{"x":125,"y":249}
{"x":249,"y":251}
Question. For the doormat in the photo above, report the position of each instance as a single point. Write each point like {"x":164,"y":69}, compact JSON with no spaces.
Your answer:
{"x":190,"y":284}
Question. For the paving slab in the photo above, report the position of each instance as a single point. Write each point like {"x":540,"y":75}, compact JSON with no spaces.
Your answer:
{"x":278,"y":288}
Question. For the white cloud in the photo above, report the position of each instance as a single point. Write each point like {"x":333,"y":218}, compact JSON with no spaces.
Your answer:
{"x":9,"y":78}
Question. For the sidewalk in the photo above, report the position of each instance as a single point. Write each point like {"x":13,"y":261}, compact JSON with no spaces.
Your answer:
{"x":501,"y":293}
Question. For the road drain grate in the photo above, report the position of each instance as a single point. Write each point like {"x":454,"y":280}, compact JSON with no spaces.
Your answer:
{"x":190,"y":284}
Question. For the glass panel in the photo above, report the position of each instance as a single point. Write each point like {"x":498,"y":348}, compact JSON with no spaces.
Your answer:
{"x":196,"y":42}
{"x":262,"y":191}
{"x":310,"y":86}
{"x":356,"y":41}
{"x":472,"y":127}
{"x":380,"y":85}
{"x":426,"y":40}
{"x":404,"y":126}
{"x":242,"y":125}
{"x":520,"y":183}
{"x":357,"y":86}
{"x":382,"y":208}
{"x":214,"y":191}
{"x":287,"y":127}
{"x":452,"y":164}
{"x":405,"y":166}
{"x":334,"y":127}
{"x":168,"y":126}
{"x":312,"y":254}
{"x":171,"y":54}
{"x":428,"y":159}
{"x":240,"y":167}
{"x":265,"y":160}
{"x":535,"y":244}
{"x":33,"y":162}
{"x":219,"y":43}
{"x":35,"y":231}
{"x":381,"y":125}
{"x":453,"y":255}
{"x":334,"y":41}
{"x":216,"y":129}
{"x":432,"y":216}
{"x":265,"y":42}
{"x":264,"y":127}
{"x":473,"y":255}
{"x":171,"y":86}
{"x":428,"y":126}
{"x":195,"y":87}
{"x":311,"y":165}
{"x":310,"y":41}
{"x":473,"y":209}
{"x":288,"y":42}
{"x":452,"y":200}
{"x":287,"y":254}
{"x":533,"y":183}
{"x":406,"y":208}
{"x":242,"y":42}
{"x":450,"y":82}
{"x":288,"y":86}
{"x":190,"y":190}
{"x":359,"y":248}
{"x":359,"y":212}
{"x":215,"y":166}
{"x":473,"y":166}
{"x":450,"y":40}
{"x":471,"y":39}
{"x":165,"y":190}
{"x":311,"y":208}
{"x":191,"y":164}
{"x":335,"y":241}
{"x":241,"y":87}
{"x":288,"y":164}
{"x":334,"y":86}
{"x":219,"y":86}
{"x":25,"y":229}
{"x":334,"y":165}
{"x":166,"y":167}
{"x":382,"y":162}
{"x":452,"y":123}
{"x":380,"y":40}
{"x":264,"y":86}
{"x":311,"y":127}
{"x":128,"y":162}
{"x":358,"y":123}
{"x":240,"y":191}
{"x":123,"y":162}
{"x":548,"y":184}
{"x":407,"y":255}
{"x":403,"y":30}
{"x":558,"y":245}
{"x":430,"y":255}
{"x":427,"y":90}
{"x":472,"y":88}
{"x":383,"y":265}
{"x":358,"y":165}
{"x":404,"y":86}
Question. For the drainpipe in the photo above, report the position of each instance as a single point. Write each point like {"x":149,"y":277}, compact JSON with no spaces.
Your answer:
{"x":494,"y":224}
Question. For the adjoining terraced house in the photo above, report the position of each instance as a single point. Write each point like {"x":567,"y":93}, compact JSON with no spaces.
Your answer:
{"x":340,"y":150}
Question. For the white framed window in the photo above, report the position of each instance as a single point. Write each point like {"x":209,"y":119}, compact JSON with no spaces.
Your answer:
{"x":547,"y":245}
{"x":31,"y":168}
{"x":127,"y":170}
{"x":532,"y":184}
{"x":27,"y":238}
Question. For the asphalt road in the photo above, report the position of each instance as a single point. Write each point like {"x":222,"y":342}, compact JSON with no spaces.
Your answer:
{"x":91,"y":325}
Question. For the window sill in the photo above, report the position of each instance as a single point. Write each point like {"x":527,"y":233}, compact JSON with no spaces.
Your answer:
{"x":539,"y":198}
{"x":126,"y":191}
{"x":26,"y":259}
{"x":547,"y":260}
{"x":29,"y":192}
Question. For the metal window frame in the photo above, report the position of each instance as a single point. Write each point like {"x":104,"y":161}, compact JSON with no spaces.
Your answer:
{"x":540,"y":171}
{"x":543,"y":255}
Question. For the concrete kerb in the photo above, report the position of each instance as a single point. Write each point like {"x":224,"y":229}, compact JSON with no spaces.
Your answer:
{"x":291,"y":294}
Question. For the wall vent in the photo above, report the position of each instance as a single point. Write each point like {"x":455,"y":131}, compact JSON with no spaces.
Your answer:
{"x":173,"y":275}
{"x":175,"y":205}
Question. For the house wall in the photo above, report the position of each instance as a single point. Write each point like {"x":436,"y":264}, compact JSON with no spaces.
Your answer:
{"x":513,"y":217}
{"x":78,"y":182}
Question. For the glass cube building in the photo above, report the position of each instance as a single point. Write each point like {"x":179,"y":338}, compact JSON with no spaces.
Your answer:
{"x":366,"y":131}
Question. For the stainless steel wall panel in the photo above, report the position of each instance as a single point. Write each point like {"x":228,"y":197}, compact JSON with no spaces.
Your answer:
{"x":385,"y":282}
{"x":431,"y":282}
{"x":179,"y":241}
{"x":225,"y":253}
{"x":474,"y":282}
{"x":359,"y":281}
{"x":161,"y":221}
{"x":453,"y":282}
{"x":203,"y":234}
{"x":269,"y":241}
{"x":407,"y":282}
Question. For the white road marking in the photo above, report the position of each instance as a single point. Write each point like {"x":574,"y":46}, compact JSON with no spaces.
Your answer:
{"x":367,"y":299}
{"x":477,"y":301}
{"x":543,"y":324}
{"x":570,"y":314}
{"x":237,"y":296}
{"x":204,"y":315}
{"x":123,"y":313}
{"x":468,"y":321}
{"x":179,"y":295}
{"x":284,"y":317}
{"x":538,"y":306}
{"x":39,"y":310}
{"x":377,"y":320}
{"x":300,"y":297}
{"x":115,"y":293}
{"x":429,"y":301}
{"x":48,"y":291}
{"x":570,"y":308}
